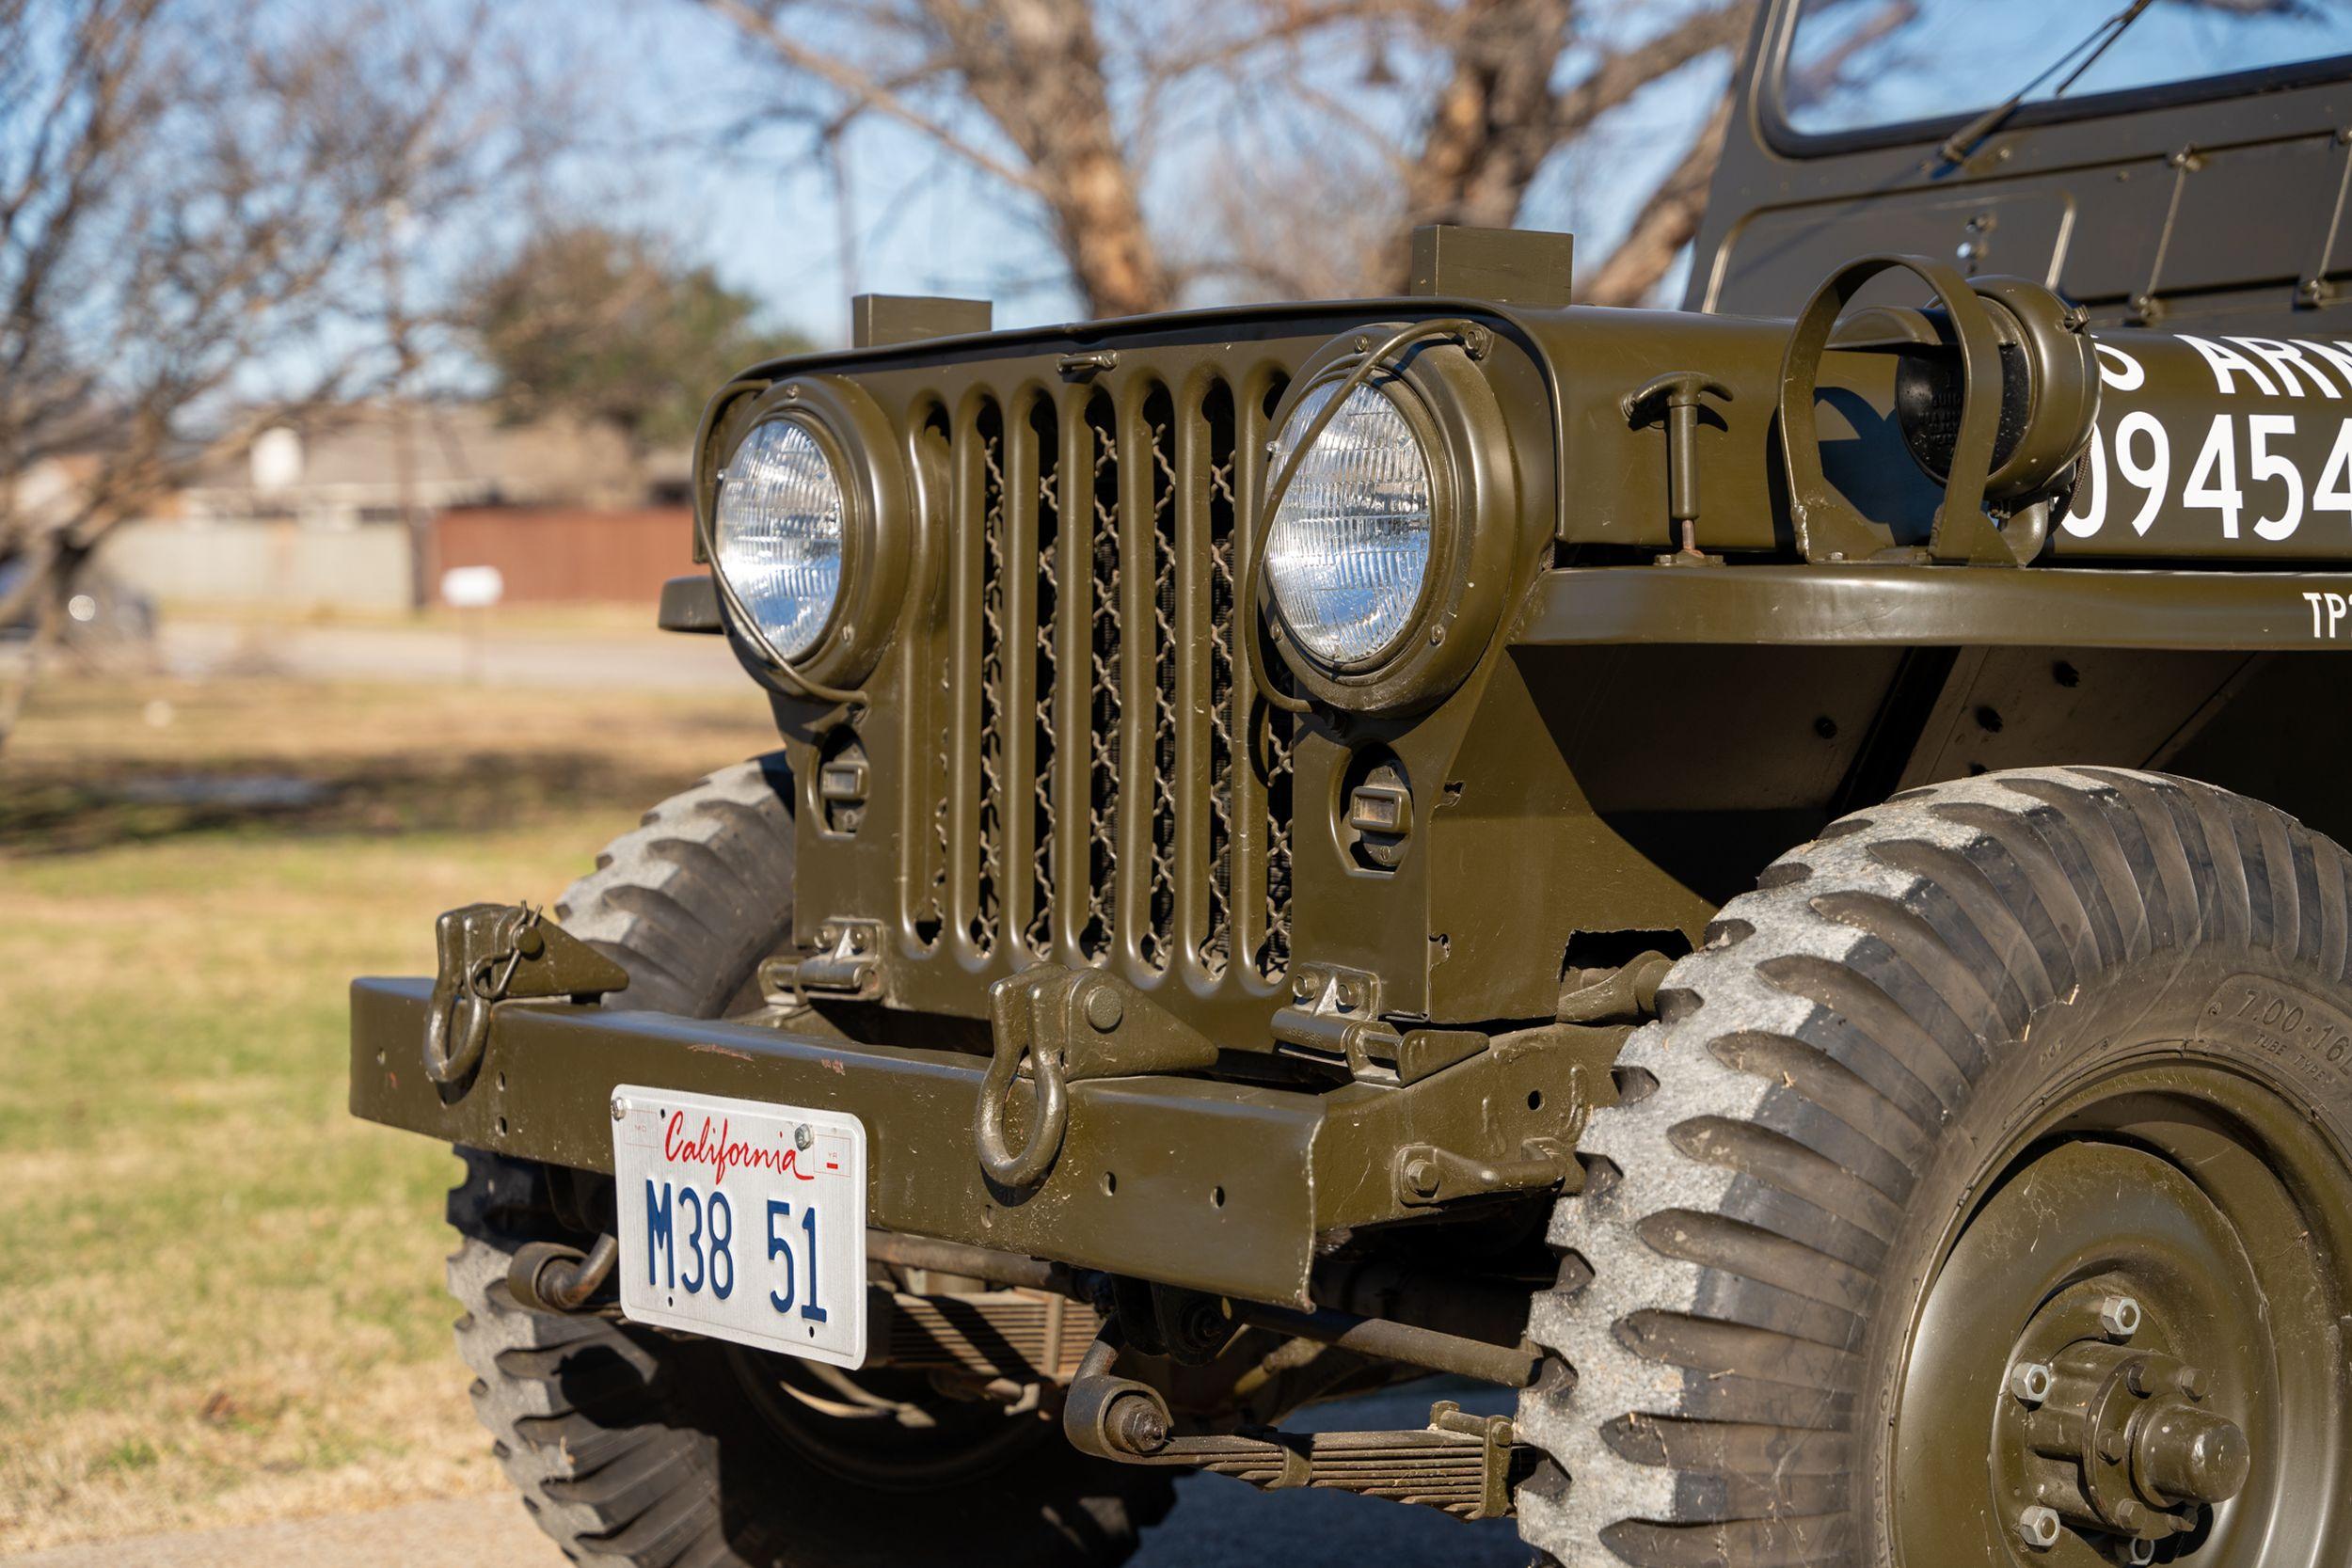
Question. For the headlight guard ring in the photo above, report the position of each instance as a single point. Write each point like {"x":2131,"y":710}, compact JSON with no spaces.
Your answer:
{"x":1452,"y":409}
{"x":877,"y":532}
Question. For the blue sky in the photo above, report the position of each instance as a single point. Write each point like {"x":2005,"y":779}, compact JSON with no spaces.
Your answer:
{"x":1960,"y":54}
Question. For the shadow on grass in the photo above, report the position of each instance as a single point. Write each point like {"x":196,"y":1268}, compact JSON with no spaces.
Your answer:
{"x":54,"y":810}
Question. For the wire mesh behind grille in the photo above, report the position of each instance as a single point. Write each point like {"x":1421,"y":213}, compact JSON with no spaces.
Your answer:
{"x":1159,"y":633}
{"x":1046,"y":436}
{"x":1274,"y":772}
{"x":1217,"y":411}
{"x":1104,"y":702}
{"x":1108,"y":790}
{"x":989,"y":894}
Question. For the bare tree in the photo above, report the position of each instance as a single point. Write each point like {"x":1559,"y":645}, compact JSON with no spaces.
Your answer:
{"x":201,"y":206}
{"x":1500,"y":119}
{"x":1063,"y":103}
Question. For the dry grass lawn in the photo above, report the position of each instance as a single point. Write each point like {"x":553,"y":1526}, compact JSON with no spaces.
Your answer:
{"x":219,"y":1296}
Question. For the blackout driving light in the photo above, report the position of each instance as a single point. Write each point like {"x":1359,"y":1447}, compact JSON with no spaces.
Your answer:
{"x":1348,"y":551}
{"x":778,"y":533}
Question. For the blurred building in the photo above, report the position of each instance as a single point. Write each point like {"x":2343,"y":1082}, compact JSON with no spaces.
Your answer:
{"x":320,"y":518}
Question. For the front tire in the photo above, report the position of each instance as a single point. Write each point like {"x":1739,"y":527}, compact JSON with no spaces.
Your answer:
{"x":631,"y":1446}
{"x":2045,"y":1073}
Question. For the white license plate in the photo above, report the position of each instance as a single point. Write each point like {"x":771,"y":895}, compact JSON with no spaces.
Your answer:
{"x":742,"y":1221}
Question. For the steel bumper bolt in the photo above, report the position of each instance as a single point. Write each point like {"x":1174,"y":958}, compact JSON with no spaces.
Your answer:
{"x":1134,"y":1424}
{"x":2038,"y":1527}
{"x":1421,"y":1175}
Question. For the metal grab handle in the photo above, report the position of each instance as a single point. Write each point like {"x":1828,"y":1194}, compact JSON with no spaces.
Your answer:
{"x":1036,"y":1157}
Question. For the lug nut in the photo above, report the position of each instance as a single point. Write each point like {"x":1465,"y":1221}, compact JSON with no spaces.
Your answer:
{"x":2119,"y":1316}
{"x":2038,"y":1526}
{"x":2030,"y":1381}
{"x":2138,"y":1552}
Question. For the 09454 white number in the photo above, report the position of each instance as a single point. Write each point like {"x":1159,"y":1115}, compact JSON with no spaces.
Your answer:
{"x":2143,"y":461}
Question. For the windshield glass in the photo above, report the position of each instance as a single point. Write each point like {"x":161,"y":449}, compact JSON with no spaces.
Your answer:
{"x":1859,"y":64}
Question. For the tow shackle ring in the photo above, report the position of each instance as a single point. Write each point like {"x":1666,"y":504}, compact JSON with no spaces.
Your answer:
{"x":1035,"y":1156}
{"x":479,"y":984}
{"x":474,"y":997}
{"x":443,"y":1064}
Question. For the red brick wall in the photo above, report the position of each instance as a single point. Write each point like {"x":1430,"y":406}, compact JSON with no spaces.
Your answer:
{"x":551,"y":555}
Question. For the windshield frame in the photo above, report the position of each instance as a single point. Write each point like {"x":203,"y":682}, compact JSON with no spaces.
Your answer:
{"x":1784,"y":138}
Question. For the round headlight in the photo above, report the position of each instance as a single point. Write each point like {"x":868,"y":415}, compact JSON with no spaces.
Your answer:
{"x":778,"y":533}
{"x":1347,"y":554}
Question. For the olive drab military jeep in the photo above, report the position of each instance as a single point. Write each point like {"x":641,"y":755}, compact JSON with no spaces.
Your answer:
{"x":1767,"y":877}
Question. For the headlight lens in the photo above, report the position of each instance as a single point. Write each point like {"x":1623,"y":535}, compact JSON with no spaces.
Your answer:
{"x":1348,"y":555}
{"x":778,"y":533}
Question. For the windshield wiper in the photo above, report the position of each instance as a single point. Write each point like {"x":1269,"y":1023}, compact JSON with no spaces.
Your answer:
{"x":1964,"y":141}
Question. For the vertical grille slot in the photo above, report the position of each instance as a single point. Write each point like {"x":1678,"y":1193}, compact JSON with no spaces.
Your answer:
{"x":988,"y":889}
{"x":926,"y":844}
{"x":1269,"y":730}
{"x":1157,"y":943}
{"x":1045,"y":486}
{"x":1222,"y":508}
{"x":1106,"y":705}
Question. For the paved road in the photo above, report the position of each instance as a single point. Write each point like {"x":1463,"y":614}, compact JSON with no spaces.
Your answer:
{"x":1216,"y":1521}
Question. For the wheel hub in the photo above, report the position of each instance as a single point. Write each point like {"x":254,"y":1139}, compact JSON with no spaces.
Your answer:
{"x":2138,"y":1322}
{"x":2103,"y":1437}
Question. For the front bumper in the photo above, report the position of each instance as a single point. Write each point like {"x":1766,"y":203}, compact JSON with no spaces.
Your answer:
{"x":1213,"y":1186}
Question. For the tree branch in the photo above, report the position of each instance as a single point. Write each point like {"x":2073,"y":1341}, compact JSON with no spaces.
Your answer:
{"x":868,"y":92}
{"x":1620,"y":75}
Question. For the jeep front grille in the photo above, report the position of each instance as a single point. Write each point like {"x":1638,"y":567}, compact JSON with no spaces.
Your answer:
{"x":1105,"y":786}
